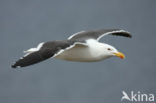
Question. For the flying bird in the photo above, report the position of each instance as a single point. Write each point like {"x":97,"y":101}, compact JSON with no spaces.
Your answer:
{"x":83,"y":46}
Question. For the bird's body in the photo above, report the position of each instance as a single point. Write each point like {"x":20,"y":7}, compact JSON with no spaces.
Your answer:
{"x":91,"y":53}
{"x":83,"y":46}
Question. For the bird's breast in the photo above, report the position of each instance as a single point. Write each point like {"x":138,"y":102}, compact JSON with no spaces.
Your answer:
{"x":82,"y":54}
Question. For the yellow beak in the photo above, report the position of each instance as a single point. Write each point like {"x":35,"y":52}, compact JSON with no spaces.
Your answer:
{"x":120,"y":55}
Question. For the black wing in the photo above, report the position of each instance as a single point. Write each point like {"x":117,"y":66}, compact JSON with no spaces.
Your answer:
{"x":48,"y":49}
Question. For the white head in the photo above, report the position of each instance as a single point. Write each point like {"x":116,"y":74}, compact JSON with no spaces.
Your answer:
{"x":110,"y":51}
{"x":104,"y":50}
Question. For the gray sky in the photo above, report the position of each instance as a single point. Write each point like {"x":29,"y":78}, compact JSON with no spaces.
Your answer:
{"x":25,"y":23}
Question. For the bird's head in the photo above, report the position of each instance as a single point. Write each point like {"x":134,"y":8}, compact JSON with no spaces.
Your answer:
{"x":112,"y":51}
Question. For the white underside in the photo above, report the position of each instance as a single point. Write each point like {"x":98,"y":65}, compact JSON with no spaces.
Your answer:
{"x":92,"y":52}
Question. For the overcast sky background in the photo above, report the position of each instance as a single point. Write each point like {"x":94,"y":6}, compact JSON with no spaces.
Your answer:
{"x":25,"y":23}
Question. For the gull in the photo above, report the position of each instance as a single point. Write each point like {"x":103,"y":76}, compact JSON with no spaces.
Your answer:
{"x":83,"y":46}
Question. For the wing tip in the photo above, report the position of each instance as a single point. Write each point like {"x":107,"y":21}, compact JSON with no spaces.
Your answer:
{"x":128,"y":34}
{"x":14,"y":66}
{"x":124,"y":33}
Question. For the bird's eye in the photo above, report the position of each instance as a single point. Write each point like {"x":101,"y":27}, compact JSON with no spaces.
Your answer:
{"x":109,"y":49}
